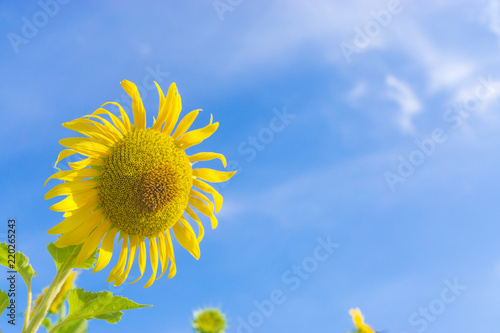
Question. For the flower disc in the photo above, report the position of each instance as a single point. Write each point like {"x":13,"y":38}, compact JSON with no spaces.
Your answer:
{"x":145,"y":183}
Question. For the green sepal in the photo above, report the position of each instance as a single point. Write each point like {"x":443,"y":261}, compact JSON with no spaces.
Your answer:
{"x":65,"y":257}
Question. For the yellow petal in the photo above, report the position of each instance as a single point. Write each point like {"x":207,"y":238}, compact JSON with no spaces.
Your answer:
{"x":83,"y":127}
{"x":125,"y":119}
{"x":107,"y":129}
{"x":80,"y":234}
{"x":213,"y":176}
{"x":74,"y":220}
{"x":166,"y":108}
{"x":357,"y":317}
{"x":204,"y":209}
{"x":133,"y":247}
{"x":171,"y":110}
{"x":117,"y":122}
{"x":201,"y":196}
{"x":186,"y":237}
{"x":137,"y":106}
{"x":201,"y":229}
{"x":171,"y":256}
{"x":90,"y":245}
{"x":209,"y":189}
{"x":162,"y":247}
{"x":185,"y":123}
{"x":76,"y":201}
{"x":195,"y":137}
{"x":63,"y":154}
{"x":161,"y":96}
{"x":153,"y":256}
{"x":71,"y":175}
{"x":71,"y":188}
{"x":85,"y":163}
{"x":80,"y":125}
{"x":86,"y":146}
{"x":142,"y":259}
{"x":122,"y":259}
{"x":106,"y":250}
{"x":207,"y":157}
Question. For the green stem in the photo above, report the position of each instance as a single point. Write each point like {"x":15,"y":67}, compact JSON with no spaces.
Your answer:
{"x":28,"y":309}
{"x":50,"y":294}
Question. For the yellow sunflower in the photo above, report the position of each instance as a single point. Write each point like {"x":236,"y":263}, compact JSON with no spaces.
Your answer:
{"x":136,"y":182}
{"x":209,"y":321}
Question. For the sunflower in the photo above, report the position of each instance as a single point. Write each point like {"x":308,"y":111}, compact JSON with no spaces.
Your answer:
{"x":359,"y":321}
{"x":209,"y":320}
{"x":137,"y":183}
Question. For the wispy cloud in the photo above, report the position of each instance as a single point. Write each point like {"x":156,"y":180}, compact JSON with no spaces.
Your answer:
{"x":358,"y":91}
{"x":288,"y":27}
{"x":408,"y":103}
{"x":492,"y":13}
{"x":320,"y":197}
{"x":443,"y":68}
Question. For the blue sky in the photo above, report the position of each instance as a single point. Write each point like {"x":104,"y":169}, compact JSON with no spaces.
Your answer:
{"x":369,"y":124}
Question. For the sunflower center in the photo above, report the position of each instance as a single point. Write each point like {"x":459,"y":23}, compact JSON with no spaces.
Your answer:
{"x":158,"y":189}
{"x":145,"y":183}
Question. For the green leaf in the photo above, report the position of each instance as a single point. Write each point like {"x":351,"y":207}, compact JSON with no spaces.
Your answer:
{"x":20,"y":264}
{"x":66,"y":257}
{"x":77,"y":326}
{"x":4,"y":301}
{"x":101,"y":305}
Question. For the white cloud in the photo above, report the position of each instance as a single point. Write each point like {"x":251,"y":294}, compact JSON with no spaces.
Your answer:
{"x":409,"y":104}
{"x":318,"y":198}
{"x":492,"y":14}
{"x":477,"y":101}
{"x":287,"y":27}
{"x":358,"y":91}
{"x":443,"y":68}
{"x":320,"y":26}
